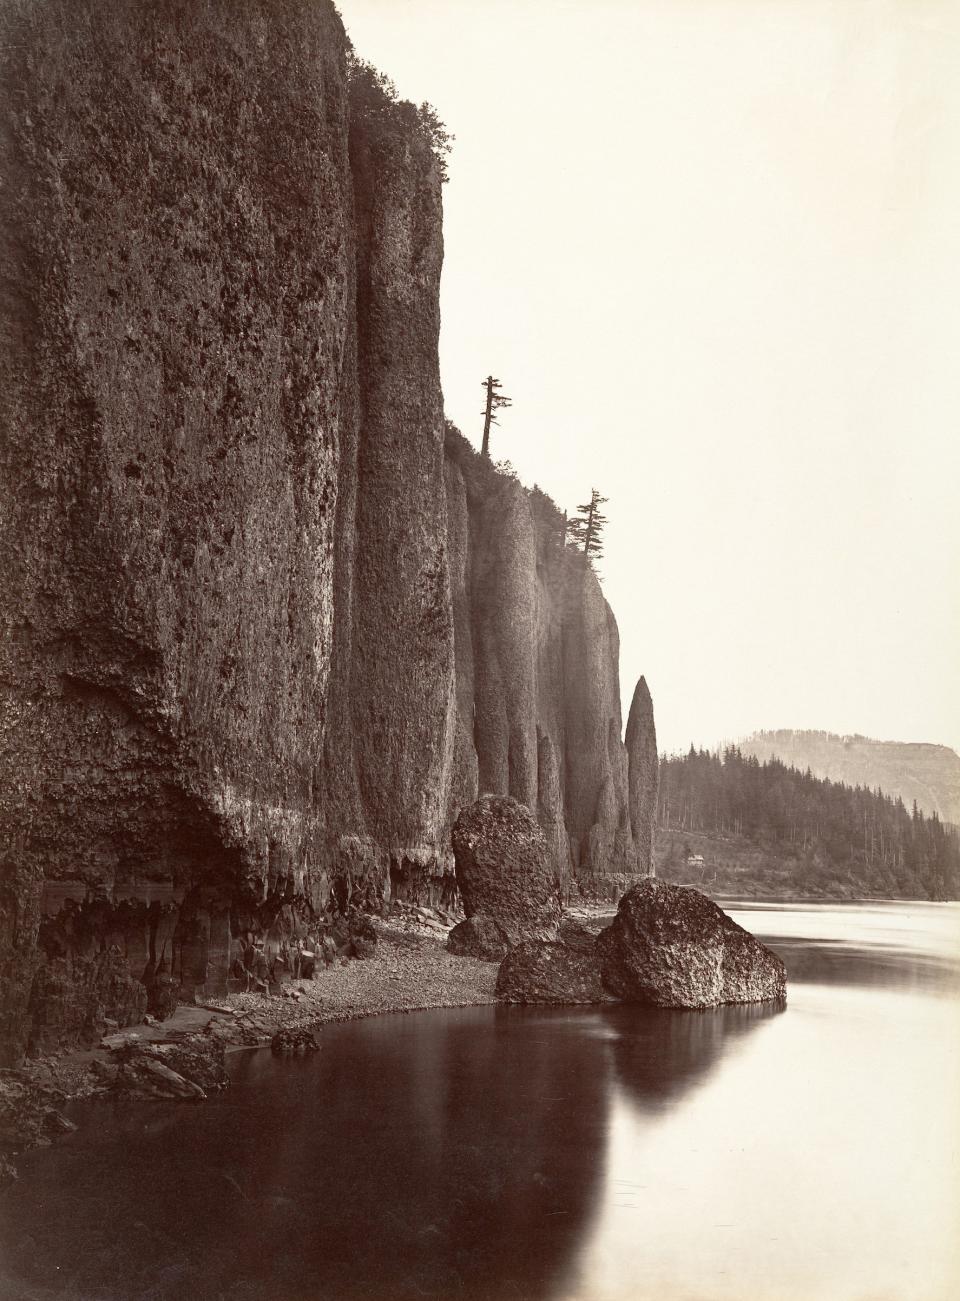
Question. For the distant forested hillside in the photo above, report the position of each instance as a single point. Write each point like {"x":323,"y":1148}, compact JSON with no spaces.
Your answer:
{"x":769,"y":827}
{"x":929,"y":774}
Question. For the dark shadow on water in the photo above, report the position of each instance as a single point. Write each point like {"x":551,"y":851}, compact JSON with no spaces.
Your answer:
{"x":660,"y":1055}
{"x":438,"y":1155}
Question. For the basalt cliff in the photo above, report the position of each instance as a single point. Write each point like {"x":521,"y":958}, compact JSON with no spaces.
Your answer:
{"x":268,"y":623}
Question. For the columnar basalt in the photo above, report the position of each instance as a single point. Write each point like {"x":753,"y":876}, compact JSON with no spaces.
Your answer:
{"x":267,"y":628}
{"x":537,"y":651}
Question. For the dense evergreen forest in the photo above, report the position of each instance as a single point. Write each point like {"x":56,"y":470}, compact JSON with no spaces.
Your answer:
{"x":833,"y":838}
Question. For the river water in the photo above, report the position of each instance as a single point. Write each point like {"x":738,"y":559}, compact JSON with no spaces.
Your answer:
{"x":601,"y":1154}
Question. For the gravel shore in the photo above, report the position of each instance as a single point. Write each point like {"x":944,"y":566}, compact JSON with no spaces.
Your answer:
{"x":409,"y":972}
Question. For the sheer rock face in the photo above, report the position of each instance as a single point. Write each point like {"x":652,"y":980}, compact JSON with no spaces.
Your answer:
{"x":671,"y":946}
{"x":643,"y":774}
{"x":504,"y":870}
{"x":265,"y":633}
{"x":537,"y":689}
{"x":228,"y":662}
{"x":401,"y":670}
{"x":538,"y":971}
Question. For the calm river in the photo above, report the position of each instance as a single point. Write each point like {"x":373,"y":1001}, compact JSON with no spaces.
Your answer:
{"x":595,"y":1154}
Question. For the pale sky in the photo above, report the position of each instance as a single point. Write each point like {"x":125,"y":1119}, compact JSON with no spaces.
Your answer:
{"x":712,"y":249}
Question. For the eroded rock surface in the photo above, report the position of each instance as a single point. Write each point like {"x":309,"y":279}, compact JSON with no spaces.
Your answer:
{"x":671,"y":946}
{"x":293,"y":1042}
{"x":643,"y":772}
{"x":504,"y":870}
{"x":541,"y":971}
{"x":185,"y":1070}
{"x":478,"y":936}
{"x":576,"y":935}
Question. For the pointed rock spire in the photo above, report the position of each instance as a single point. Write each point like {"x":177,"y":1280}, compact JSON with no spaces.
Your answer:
{"x":644,"y":773}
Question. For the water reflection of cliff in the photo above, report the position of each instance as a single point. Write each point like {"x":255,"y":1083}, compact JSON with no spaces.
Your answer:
{"x":660,"y":1054}
{"x":439,"y":1155}
{"x":431,"y":1156}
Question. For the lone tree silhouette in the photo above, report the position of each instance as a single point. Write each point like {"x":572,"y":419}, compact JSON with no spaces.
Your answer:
{"x":494,"y":402}
{"x":586,"y":527}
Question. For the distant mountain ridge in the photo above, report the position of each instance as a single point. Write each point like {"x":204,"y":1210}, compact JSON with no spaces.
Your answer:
{"x":927,"y":773}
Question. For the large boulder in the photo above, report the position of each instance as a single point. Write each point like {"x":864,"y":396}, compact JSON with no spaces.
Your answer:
{"x":540,"y":971}
{"x":503,"y":868}
{"x":671,"y":946}
{"x":479,"y":936}
{"x":363,"y":935}
{"x":576,"y":935}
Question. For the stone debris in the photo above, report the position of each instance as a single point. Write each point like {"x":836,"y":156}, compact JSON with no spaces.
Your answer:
{"x":145,"y":1076}
{"x":185,"y":1069}
{"x":125,"y":1039}
{"x":30,"y":1117}
{"x":293,"y":1041}
{"x":408,"y":971}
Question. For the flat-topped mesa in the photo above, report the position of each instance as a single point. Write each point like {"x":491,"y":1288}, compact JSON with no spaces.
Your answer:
{"x":267,"y":629}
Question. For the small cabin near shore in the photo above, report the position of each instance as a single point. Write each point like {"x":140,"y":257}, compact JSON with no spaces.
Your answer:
{"x":695,"y":861}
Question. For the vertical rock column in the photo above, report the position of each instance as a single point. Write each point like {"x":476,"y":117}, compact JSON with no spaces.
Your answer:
{"x":644,"y":774}
{"x":402,"y":666}
{"x":596,"y":802}
{"x":177,"y":236}
{"x":504,"y":621}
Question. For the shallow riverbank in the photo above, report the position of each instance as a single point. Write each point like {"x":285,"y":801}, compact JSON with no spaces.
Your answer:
{"x":409,"y":971}
{"x":555,"y":1154}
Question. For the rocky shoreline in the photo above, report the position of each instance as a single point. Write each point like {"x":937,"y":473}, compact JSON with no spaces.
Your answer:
{"x":182,"y":1057}
{"x":666,"y":947}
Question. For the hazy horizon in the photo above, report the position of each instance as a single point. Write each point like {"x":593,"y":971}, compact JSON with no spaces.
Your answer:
{"x":713,"y":253}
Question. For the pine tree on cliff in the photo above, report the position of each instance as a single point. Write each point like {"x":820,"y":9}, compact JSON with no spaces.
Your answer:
{"x":586,"y":527}
{"x":495,"y":401}
{"x":643,"y":775}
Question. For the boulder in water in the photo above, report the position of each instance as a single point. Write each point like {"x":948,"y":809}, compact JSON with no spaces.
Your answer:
{"x":542,"y":971}
{"x":290,"y":1041}
{"x":671,"y":946}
